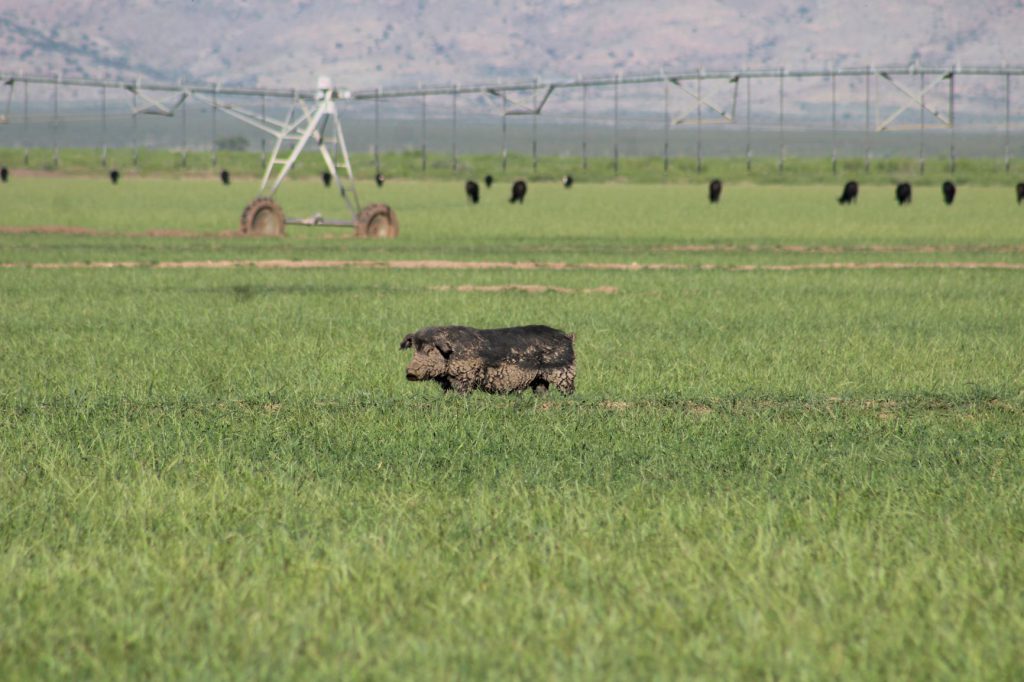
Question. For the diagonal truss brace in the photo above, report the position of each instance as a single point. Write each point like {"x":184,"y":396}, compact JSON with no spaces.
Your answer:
{"x":267,"y":124}
{"x":916,"y":98}
{"x":724,"y":116}
{"x":157,"y":108}
{"x":521,"y":108}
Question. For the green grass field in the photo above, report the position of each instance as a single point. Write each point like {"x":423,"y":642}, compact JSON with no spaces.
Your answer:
{"x":409,"y":165}
{"x":765,"y":473}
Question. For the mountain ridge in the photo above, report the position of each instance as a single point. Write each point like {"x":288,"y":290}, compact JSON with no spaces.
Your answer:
{"x":406,"y":42}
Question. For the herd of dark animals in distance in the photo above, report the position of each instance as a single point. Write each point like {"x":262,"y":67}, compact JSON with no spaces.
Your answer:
{"x":849,"y":196}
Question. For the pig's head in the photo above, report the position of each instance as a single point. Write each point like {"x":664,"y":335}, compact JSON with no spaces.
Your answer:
{"x":430,"y":355}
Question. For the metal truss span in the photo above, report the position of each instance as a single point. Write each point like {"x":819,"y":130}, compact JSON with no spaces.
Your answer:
{"x":138,"y":85}
{"x":710,"y":97}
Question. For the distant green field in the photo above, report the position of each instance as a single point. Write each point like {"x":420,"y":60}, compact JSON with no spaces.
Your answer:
{"x":591,"y":222}
{"x":601,"y":169}
{"x":764,"y":473}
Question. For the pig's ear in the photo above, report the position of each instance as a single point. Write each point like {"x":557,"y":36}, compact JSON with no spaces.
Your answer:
{"x":444,"y":347}
{"x":406,"y":342}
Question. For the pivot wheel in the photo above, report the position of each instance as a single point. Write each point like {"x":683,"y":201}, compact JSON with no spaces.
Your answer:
{"x":262,"y":217}
{"x":377,"y":220}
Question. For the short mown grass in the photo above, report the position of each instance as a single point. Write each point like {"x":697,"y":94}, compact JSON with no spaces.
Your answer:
{"x":223,"y":474}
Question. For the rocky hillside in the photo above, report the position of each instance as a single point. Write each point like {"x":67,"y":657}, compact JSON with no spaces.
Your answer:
{"x":409,"y":41}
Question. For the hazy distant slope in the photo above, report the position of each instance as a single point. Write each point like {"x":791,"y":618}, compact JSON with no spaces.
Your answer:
{"x":409,"y":41}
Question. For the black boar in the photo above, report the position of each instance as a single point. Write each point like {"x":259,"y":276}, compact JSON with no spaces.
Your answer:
{"x":3,"y":174}
{"x":488,"y":180}
{"x":326,"y":177}
{"x":379,"y":179}
{"x":508,"y":360}
{"x":903,"y":193}
{"x":567,"y":181}
{"x":715,"y":190}
{"x":473,"y":191}
{"x":518,"y":192}
{"x":225,"y":177}
{"x":850,"y":191}
{"x":948,"y":192}
{"x":115,"y":175}
{"x":1020,"y":192}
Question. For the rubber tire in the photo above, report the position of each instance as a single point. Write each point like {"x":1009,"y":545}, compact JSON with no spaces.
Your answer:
{"x":262,"y":217}
{"x":377,"y":220}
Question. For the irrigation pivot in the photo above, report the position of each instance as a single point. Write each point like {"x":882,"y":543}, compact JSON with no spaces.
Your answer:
{"x":315,"y":121}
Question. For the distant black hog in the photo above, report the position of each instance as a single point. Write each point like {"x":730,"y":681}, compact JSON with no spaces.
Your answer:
{"x":567,"y":181}
{"x":508,"y":360}
{"x":715,"y":191}
{"x":3,"y":173}
{"x":850,"y":191}
{"x":225,"y":177}
{"x":326,"y":177}
{"x":903,"y":193}
{"x":115,"y":175}
{"x":948,"y":192}
{"x":1020,"y":192}
{"x":518,"y":192}
{"x":379,"y":179}
{"x":473,"y":191}
{"x":488,"y":180}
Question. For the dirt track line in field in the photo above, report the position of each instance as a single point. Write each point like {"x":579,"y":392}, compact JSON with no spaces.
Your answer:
{"x":91,"y":232}
{"x":960,"y":265}
{"x":857,"y":248}
{"x":510,"y":265}
{"x":526,"y":288}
